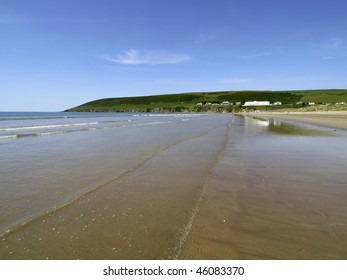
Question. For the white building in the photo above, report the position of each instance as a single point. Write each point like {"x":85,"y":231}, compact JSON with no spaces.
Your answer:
{"x":278,"y":103}
{"x":225,"y":103}
{"x":257,"y":103}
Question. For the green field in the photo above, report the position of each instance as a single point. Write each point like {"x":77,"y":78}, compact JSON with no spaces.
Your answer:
{"x":187,"y":102}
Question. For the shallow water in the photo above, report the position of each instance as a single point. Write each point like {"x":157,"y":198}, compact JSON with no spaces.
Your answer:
{"x":173,"y":186}
{"x":112,"y":192}
{"x":274,"y":195}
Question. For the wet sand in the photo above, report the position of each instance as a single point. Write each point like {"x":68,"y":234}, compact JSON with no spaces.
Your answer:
{"x":273,"y":197}
{"x":337,"y":119}
{"x":141,"y":213}
{"x":236,"y":190}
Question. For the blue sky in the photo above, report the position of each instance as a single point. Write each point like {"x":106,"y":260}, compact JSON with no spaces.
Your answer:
{"x":57,"y":54}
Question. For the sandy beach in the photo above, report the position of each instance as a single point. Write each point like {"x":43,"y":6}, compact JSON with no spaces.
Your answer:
{"x":274,"y":196}
{"x":191,"y":187}
{"x":336,"y":119}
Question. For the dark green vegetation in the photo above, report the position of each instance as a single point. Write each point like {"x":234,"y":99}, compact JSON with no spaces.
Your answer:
{"x":187,"y":102}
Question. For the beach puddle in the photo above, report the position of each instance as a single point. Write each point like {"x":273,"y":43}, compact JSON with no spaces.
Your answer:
{"x":278,"y":126}
{"x":283,"y":127}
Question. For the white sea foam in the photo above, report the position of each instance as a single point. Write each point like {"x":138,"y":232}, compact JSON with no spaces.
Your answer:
{"x":149,"y":123}
{"x":50,"y":133}
{"x":162,"y":115}
{"x":46,"y":126}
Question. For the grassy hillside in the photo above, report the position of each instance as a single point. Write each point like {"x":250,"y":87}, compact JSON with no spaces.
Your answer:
{"x":272,"y":96}
{"x":320,"y":91}
{"x":186,"y":102}
{"x":323,"y":96}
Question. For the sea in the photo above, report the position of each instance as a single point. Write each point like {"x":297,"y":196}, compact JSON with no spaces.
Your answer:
{"x":170,"y":186}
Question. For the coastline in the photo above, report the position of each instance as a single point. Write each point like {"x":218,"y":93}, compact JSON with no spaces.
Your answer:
{"x":334,"y":119}
{"x":205,"y":187}
{"x":141,"y":196}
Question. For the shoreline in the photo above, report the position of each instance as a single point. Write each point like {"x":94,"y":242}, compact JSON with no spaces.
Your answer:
{"x":271,"y":196}
{"x":212,"y":187}
{"x":334,"y":119}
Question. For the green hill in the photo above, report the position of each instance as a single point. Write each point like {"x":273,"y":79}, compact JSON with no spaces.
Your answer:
{"x":187,"y":102}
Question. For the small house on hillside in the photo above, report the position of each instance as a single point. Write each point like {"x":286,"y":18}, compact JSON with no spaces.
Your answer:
{"x":257,"y":103}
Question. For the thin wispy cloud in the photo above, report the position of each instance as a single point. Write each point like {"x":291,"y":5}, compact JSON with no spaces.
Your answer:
{"x":203,"y":38}
{"x":135,"y":57}
{"x":252,"y":56}
{"x":329,"y":44}
{"x":333,"y":49}
{"x":334,"y":43}
{"x":334,"y":57}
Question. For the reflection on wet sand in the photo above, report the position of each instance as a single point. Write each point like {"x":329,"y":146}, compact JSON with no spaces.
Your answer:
{"x":274,"y":196}
{"x":220,"y":187}
{"x":282,"y":127}
{"x":142,"y":213}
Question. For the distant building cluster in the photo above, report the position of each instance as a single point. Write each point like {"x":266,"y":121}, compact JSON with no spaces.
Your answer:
{"x":247,"y":103}
{"x":258,"y":103}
